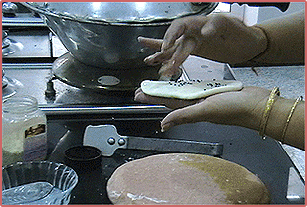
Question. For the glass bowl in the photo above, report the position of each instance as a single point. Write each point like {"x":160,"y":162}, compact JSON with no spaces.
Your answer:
{"x":37,"y":182}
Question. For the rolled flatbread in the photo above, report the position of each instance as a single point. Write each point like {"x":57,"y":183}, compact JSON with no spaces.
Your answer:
{"x":184,"y":178}
{"x":189,"y":89}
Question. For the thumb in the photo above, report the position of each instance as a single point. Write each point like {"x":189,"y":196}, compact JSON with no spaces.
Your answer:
{"x":190,"y":114}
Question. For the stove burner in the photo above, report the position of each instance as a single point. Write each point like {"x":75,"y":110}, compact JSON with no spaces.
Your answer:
{"x":94,"y":97}
{"x":58,"y":92}
{"x":75,"y":73}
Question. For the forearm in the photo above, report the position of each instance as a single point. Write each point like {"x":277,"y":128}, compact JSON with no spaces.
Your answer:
{"x":294,"y":134}
{"x":285,"y":40}
{"x":276,"y":123}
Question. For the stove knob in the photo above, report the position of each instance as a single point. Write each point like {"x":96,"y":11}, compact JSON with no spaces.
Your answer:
{"x":50,"y":91}
{"x":9,"y":9}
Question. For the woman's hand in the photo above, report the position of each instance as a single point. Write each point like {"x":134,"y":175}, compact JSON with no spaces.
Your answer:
{"x":241,"y":108}
{"x":217,"y":37}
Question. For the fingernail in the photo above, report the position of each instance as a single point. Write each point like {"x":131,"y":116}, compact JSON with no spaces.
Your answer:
{"x":149,"y":58}
{"x":166,"y":127}
{"x":140,"y":38}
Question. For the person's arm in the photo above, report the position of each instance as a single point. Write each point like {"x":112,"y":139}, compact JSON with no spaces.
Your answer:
{"x":218,"y":37}
{"x":224,"y":38}
{"x":285,"y":36}
{"x":294,"y":133}
{"x":240,"y":108}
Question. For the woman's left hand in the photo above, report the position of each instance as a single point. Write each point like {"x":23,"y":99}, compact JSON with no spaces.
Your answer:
{"x":242,"y":108}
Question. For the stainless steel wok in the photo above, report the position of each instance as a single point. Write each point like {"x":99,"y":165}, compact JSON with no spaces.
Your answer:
{"x":104,"y":34}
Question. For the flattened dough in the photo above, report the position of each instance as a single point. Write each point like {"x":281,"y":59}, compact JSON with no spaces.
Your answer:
{"x":189,"y":89}
{"x":184,"y":178}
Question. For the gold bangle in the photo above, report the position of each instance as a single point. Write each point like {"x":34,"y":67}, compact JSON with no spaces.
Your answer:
{"x":289,"y":117}
{"x":275,"y":92}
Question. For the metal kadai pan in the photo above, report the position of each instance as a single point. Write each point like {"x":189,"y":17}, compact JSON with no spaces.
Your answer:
{"x":102,"y":38}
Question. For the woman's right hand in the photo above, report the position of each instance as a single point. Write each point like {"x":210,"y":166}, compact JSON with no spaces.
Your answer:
{"x":222,"y":38}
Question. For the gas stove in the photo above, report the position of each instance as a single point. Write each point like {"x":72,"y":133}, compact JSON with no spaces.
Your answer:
{"x":32,"y":53}
{"x":32,"y":48}
{"x":28,"y":62}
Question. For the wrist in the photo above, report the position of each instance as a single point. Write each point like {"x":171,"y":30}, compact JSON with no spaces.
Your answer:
{"x":269,"y":114}
{"x":278,"y":125}
{"x":294,"y":134}
{"x":277,"y":119}
{"x":256,"y":115}
{"x":250,"y":112}
{"x":263,"y":43}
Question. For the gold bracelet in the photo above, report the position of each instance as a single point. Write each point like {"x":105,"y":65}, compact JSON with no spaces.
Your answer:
{"x":289,"y":117}
{"x":275,"y":92}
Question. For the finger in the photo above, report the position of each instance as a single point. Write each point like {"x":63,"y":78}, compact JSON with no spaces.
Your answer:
{"x":168,"y":70}
{"x":189,"y":114}
{"x":163,"y":56}
{"x":158,"y":57}
{"x":183,"y":51}
{"x":137,"y":91}
{"x":171,"y":67}
{"x":175,"y":31}
{"x":140,"y":96}
{"x":152,"y":43}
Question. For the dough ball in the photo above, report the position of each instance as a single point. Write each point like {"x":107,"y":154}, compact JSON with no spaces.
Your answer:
{"x":186,"y":179}
{"x":189,"y":89}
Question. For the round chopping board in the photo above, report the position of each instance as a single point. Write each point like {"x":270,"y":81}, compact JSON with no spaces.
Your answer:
{"x":184,"y":178}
